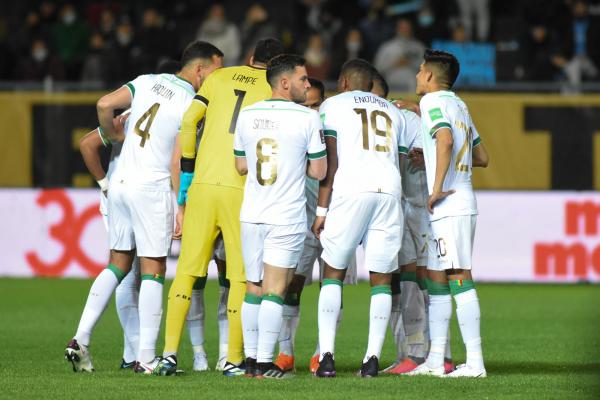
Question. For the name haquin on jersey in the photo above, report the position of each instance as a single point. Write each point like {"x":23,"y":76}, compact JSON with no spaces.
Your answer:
{"x":157,"y":107}
{"x":277,"y":137}
{"x":444,"y":109}
{"x":370,"y":132}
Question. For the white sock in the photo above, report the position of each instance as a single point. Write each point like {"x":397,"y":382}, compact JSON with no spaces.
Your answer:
{"x":269,"y":326}
{"x":250,"y":312}
{"x":330,"y":302}
{"x":440,"y":311}
{"x":469,"y":314}
{"x":222,"y":321}
{"x":379,"y":316}
{"x":150,"y":310}
{"x":413,"y":318}
{"x":289,"y":326}
{"x":102,"y":289}
{"x":425,"y":293}
{"x":126,"y":299}
{"x":195,"y":319}
{"x":397,"y":328}
{"x":448,"y":352}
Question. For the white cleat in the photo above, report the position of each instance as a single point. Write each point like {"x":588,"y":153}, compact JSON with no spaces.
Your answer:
{"x":200,"y":362}
{"x":146,"y":368}
{"x":466,"y":371}
{"x":79,"y":357}
{"x":221,"y":363}
{"x":423,"y":369}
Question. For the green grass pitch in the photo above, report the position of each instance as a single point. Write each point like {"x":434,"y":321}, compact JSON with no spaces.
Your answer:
{"x":540,"y":342}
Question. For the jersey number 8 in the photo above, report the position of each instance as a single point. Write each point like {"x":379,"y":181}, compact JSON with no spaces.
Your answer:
{"x":266,"y":157}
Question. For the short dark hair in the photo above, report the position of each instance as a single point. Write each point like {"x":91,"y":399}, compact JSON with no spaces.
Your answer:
{"x":281,"y":64}
{"x":317,"y":84}
{"x":445,"y":64}
{"x":266,"y":49}
{"x":199,"y":49}
{"x":360,"y":72}
{"x":384,"y":85}
{"x":168,"y":67}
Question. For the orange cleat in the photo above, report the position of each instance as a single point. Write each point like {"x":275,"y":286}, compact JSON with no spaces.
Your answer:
{"x":314,"y":363}
{"x":285,"y":362}
{"x":405,"y":366}
{"x":448,"y":366}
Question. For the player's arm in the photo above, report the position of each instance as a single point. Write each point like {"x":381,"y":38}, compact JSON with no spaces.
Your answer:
{"x":175,"y":171}
{"x":241,"y":165}
{"x":106,"y":106}
{"x":443,"y":150}
{"x":480,"y":155}
{"x":326,"y":185}
{"x":90,"y":146}
{"x":317,"y":169}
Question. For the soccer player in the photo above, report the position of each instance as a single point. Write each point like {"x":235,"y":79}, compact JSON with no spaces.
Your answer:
{"x":451,"y":147}
{"x":212,"y":205}
{"x":273,"y":141}
{"x":364,"y":134}
{"x":140,"y":205}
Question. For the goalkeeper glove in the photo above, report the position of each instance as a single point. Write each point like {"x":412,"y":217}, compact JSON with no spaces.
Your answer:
{"x":185,"y":180}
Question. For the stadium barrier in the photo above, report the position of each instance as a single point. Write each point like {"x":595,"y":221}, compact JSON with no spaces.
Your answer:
{"x":520,"y":237}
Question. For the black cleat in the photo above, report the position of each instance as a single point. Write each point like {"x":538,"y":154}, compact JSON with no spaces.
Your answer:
{"x":262,"y":368}
{"x":250,"y":367}
{"x":326,"y":367}
{"x":370,"y":369}
{"x":275,"y":372}
{"x":127,"y":365}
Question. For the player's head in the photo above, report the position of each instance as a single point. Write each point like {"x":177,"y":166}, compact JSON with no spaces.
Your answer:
{"x":356,"y":74}
{"x":438,"y":71}
{"x":198,"y":60}
{"x":168,"y":67}
{"x":265,"y":50}
{"x":288,"y":78}
{"x":380,"y":86}
{"x":315,"y":95}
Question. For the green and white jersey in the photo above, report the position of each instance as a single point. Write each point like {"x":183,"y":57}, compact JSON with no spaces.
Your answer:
{"x":370,"y":132}
{"x":157,"y":108}
{"x":444,"y":109}
{"x":277,"y":137}
{"x":414,"y":180}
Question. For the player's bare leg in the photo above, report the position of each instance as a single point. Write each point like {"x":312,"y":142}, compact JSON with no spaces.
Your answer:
{"x":289,"y":326}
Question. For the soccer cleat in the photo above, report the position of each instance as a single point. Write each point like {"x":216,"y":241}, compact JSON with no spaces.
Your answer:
{"x":166,"y":366}
{"x":448,"y":366}
{"x":79,"y":357}
{"x":127,"y":365}
{"x":250,"y":367}
{"x":285,"y":362}
{"x":423,"y":369}
{"x":147,"y":368}
{"x":262,"y":368}
{"x":370,"y":369}
{"x":231,"y":369}
{"x":200,"y":362}
{"x":276,"y":373}
{"x":314,"y":363}
{"x":466,"y":371}
{"x":221,"y":363}
{"x":326,"y":367}
{"x":391,"y":367}
{"x":402,"y":368}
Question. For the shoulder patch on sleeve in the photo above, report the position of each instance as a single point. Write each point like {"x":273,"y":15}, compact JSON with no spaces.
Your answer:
{"x":435,"y":113}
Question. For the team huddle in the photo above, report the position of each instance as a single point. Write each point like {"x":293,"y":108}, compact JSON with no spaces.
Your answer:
{"x":270,"y":177}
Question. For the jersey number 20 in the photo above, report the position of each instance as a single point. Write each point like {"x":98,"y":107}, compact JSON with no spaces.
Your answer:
{"x":266,"y":157}
{"x":148,"y":115}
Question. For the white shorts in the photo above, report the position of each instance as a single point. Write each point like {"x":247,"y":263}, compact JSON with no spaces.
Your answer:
{"x":373,"y":219}
{"x":451,"y":243}
{"x":416,"y":235}
{"x":277,"y":245}
{"x":140,"y":219}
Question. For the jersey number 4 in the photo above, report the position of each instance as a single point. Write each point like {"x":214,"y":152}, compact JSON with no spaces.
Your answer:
{"x":385,"y":133}
{"x":266,"y":157}
{"x":148,"y":115}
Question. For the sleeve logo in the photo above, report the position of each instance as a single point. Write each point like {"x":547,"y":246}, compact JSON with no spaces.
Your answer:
{"x":435,"y":113}
{"x":322,"y":135}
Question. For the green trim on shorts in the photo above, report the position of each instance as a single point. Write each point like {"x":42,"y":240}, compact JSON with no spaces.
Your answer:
{"x":118,"y":273}
{"x":408,"y":276}
{"x":292,"y":299}
{"x":154,"y":277}
{"x":223,"y":281}
{"x":460,"y":286}
{"x":252,"y":298}
{"x":381,"y":289}
{"x":437,"y":289}
{"x":422,"y":283}
{"x":274,"y":298}
{"x":332,"y":282}
{"x":200,"y":283}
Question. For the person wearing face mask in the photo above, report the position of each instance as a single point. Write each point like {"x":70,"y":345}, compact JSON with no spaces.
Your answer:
{"x":123,"y":44}
{"x":40,"y":64}
{"x":95,"y":67}
{"x":222,"y":33}
{"x":70,"y":38}
{"x":318,"y":62}
{"x":354,"y":47}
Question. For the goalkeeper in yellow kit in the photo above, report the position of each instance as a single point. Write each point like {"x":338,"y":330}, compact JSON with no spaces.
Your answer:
{"x":212,"y":204}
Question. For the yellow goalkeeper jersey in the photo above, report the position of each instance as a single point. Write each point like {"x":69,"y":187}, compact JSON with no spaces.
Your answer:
{"x":220,"y":99}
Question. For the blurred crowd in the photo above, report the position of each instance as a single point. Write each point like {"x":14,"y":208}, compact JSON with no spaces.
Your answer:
{"x":113,"y":41}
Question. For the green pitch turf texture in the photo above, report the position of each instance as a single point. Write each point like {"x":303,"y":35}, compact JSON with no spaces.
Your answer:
{"x":540,"y":342}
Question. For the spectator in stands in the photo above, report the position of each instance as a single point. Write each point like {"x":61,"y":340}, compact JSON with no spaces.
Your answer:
{"x":124,"y":51}
{"x":40,"y":64}
{"x":540,"y":50}
{"x":152,"y":43}
{"x":376,"y":27}
{"x":97,"y":66}
{"x":318,"y":62}
{"x":257,"y":25}
{"x":107,"y":25}
{"x":475,"y":14}
{"x":352,"y":47}
{"x":398,"y":59}
{"x":428,"y":26}
{"x":216,"y":29}
{"x":71,"y":37}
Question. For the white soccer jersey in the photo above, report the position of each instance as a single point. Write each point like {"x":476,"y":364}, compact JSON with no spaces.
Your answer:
{"x":414,"y":180}
{"x":277,"y":137}
{"x":312,"y":193}
{"x":444,"y":109}
{"x":370,"y":132}
{"x":157,"y":108}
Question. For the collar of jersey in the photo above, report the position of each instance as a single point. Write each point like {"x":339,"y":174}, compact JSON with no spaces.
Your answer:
{"x":185,"y":80}
{"x":287,"y":101}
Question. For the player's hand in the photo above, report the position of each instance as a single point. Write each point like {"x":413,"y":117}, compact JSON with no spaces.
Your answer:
{"x":177,"y":233}
{"x":119,"y":123}
{"x":435,"y":197}
{"x":318,"y":226}
{"x":408,"y":105}
{"x":417,"y":161}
